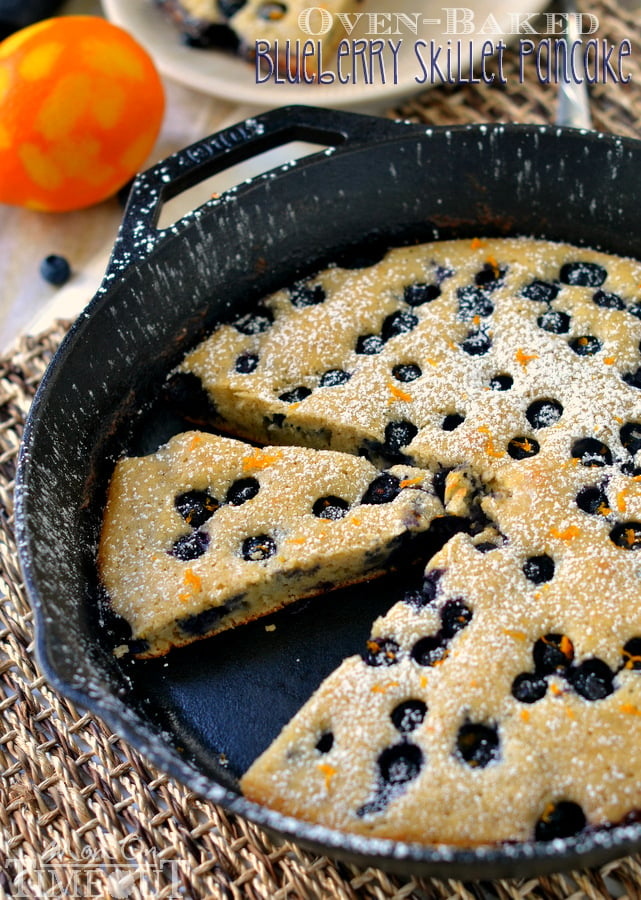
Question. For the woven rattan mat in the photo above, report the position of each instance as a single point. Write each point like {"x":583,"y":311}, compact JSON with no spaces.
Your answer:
{"x":82,"y":815}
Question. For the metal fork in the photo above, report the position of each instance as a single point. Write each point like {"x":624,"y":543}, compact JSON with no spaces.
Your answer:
{"x":573,"y":109}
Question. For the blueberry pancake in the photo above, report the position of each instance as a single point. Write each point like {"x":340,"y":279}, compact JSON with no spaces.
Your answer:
{"x":209,"y":532}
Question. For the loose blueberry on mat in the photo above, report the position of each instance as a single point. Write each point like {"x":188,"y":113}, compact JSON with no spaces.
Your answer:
{"x":381,"y":652}
{"x":539,"y":569}
{"x":552,"y":653}
{"x":255,"y":322}
{"x":490,"y":276}
{"x":196,"y":507}
{"x":452,"y":421}
{"x":325,"y":742}
{"x":408,"y":715}
{"x":630,"y":435}
{"x":543,"y":413}
{"x":591,"y":452}
{"x":583,"y":274}
{"x":407,"y":372}
{"x":540,"y":291}
{"x":369,"y":344}
{"x":334,"y":377}
{"x":529,"y":687}
{"x":522,"y":447}
{"x":477,"y":343}
{"x":246,"y":363}
{"x":260,"y":547}
{"x":55,"y":269}
{"x":295,"y":395}
{"x":419,"y":293}
{"x":242,"y":490}
{"x":330,"y":507}
{"x":627,"y":535}
{"x":473,"y":301}
{"x":383,"y":489}
{"x":455,"y":615}
{"x":477,"y":744}
{"x":554,"y":321}
{"x":429,"y":651}
{"x":401,"y":322}
{"x":501,"y":383}
{"x":306,"y":295}
{"x":560,"y":820}
{"x":399,"y":434}
{"x":190,"y":546}
{"x":586,"y":345}
{"x":632,"y":653}
{"x":592,"y":679}
{"x":607,"y":300}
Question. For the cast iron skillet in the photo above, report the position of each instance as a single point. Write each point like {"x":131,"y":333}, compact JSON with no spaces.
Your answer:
{"x":203,"y":713}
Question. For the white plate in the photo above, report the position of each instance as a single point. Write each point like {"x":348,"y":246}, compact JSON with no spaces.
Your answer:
{"x":222,"y":75}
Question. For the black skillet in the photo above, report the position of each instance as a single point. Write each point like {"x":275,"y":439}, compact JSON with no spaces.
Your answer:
{"x":204,"y":712}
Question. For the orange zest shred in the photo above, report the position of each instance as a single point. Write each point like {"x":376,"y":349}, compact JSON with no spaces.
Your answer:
{"x":423,"y":681}
{"x":398,"y":394}
{"x":355,"y":521}
{"x":568,"y":534}
{"x":603,"y":509}
{"x":621,"y":501}
{"x":524,"y":358}
{"x":410,"y":482}
{"x":431,"y":362}
{"x":525,"y":715}
{"x":630,"y":709}
{"x":517,"y":635}
{"x":197,"y":439}
{"x":566,"y":647}
{"x":491,"y":261}
{"x":261,"y":459}
{"x":383,"y":688}
{"x":630,"y":536}
{"x":609,"y":360}
{"x":296,"y":540}
{"x":329,"y":772}
{"x":556,"y":690}
{"x":476,"y":243}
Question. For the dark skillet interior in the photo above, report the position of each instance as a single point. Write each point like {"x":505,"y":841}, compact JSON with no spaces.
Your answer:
{"x":204,"y":712}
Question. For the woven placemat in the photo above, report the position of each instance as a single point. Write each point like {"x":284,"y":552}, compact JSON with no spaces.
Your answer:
{"x":81,"y":813}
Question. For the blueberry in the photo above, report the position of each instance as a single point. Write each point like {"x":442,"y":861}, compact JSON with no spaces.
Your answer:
{"x":477,"y":343}
{"x":455,"y":615}
{"x":255,"y":322}
{"x":607,"y":300}
{"x":330,"y":507}
{"x":635,"y":309}
{"x":216,"y":36}
{"x":583,"y":274}
{"x":381,"y":652}
{"x":486,"y":547}
{"x":334,"y":377}
{"x":630,"y":435}
{"x":490,"y":276}
{"x":552,"y":653}
{"x":399,"y":434}
{"x":473,"y":301}
{"x":543,"y":413}
{"x":452,"y":421}
{"x":242,"y":490}
{"x":592,"y":679}
{"x":419,"y":293}
{"x":400,"y":322}
{"x":184,"y":393}
{"x":295,"y":395}
{"x":586,"y":345}
{"x":190,"y":546}
{"x":554,"y":321}
{"x":307,"y":295}
{"x":632,"y":654}
{"x":522,"y":447}
{"x":429,"y":651}
{"x":369,"y":344}
{"x":418,"y":598}
{"x":501,"y":383}
{"x":539,"y":569}
{"x":477,"y":744}
{"x":228,"y":8}
{"x":529,"y":687}
{"x":627,"y":535}
{"x":203,"y":622}
{"x":325,"y":742}
{"x":407,"y":372}
{"x":400,"y":763}
{"x":196,"y":507}
{"x":633,"y":378}
{"x":541,"y":291}
{"x":408,"y":715}
{"x":383,"y":489}
{"x":260,"y":547}
{"x":55,"y":269}
{"x":591,"y":452}
{"x":246,"y":363}
{"x":560,"y":820}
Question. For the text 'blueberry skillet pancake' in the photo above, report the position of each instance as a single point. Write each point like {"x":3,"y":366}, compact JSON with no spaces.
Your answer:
{"x":500,"y":699}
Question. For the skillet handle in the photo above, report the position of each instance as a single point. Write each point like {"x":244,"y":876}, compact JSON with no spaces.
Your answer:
{"x":139,"y":234}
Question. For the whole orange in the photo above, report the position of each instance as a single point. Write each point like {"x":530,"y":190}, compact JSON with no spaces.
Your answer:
{"x":81,"y":105}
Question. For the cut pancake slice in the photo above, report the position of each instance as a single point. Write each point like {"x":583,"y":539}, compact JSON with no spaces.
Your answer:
{"x":209,"y":532}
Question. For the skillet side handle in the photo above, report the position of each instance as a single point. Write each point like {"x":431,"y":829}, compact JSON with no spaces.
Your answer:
{"x":138,"y":233}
